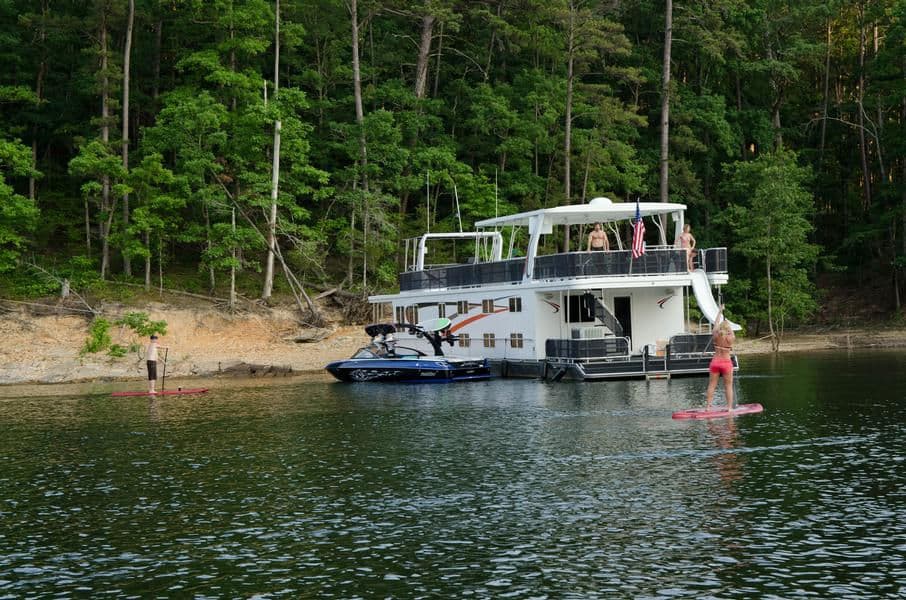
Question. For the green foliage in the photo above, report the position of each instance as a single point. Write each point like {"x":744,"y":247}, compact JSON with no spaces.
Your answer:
{"x":489,"y":130}
{"x":98,"y":336}
{"x":142,"y":325}
{"x":117,"y":351}
{"x":81,"y":272}
{"x":18,"y":215}
{"x":22,"y":283}
{"x":769,"y":212}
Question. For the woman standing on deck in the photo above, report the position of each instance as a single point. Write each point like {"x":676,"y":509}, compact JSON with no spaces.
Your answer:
{"x":687,"y":242}
{"x":722,"y":363}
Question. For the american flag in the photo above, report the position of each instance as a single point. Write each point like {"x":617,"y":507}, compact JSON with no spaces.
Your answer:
{"x":638,"y":233}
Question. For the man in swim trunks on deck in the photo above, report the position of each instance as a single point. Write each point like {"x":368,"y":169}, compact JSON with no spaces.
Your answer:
{"x":597,"y":239}
{"x":722,"y":363}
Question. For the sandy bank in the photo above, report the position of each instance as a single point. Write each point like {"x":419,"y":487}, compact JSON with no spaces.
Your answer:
{"x":204,"y":342}
{"x":201,"y":342}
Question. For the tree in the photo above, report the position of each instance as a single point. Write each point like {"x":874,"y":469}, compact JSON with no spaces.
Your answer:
{"x":127,"y":58}
{"x":18,"y":214}
{"x":665,"y":109}
{"x":105,"y":173}
{"x":769,"y":212}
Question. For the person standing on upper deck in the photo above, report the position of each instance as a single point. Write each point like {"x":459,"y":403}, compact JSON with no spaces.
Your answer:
{"x":687,"y":242}
{"x":597,"y":239}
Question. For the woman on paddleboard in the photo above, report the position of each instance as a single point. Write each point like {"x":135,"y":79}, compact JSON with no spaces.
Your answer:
{"x":722,"y":363}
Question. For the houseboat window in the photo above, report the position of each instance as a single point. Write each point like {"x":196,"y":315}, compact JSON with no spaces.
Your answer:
{"x":462,"y":307}
{"x":412,"y":314}
{"x":489,"y":340}
{"x":464,"y":340}
{"x":441,"y":310}
{"x":516,"y":340}
{"x":516,"y":304}
{"x":580,"y":309}
{"x":487,"y":306}
{"x":400,"y":314}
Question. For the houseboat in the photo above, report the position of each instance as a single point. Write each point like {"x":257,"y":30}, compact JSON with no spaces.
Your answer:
{"x":535,"y":310}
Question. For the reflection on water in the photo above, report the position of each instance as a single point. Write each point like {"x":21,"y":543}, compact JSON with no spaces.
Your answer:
{"x":498,"y":488}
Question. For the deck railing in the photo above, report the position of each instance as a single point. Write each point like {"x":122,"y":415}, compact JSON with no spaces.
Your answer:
{"x":655,"y":261}
{"x":609,"y":347}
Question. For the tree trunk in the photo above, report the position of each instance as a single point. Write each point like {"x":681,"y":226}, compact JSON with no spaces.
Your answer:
{"x":39,"y":93}
{"x":440,"y":45}
{"x":776,"y":87}
{"x":232,"y":303}
{"x":276,"y":48}
{"x":351,"y":265}
{"x":424,"y":51}
{"x":360,"y":121}
{"x":487,"y":68}
{"x":665,"y":105}
{"x":207,"y":229}
{"x":148,"y":261}
{"x":863,"y":149}
{"x":892,"y":230}
{"x":275,"y":172}
{"x":664,"y":195}
{"x":127,"y":57}
{"x":775,"y":343}
{"x":105,"y":137}
{"x":87,"y":229}
{"x":155,"y":85}
{"x":272,"y":219}
{"x":567,"y":134}
{"x":745,"y":150}
{"x":879,"y":130}
{"x":827,"y":59}
{"x":160,"y":267}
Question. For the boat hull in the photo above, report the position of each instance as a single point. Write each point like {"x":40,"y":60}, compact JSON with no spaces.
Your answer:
{"x":405,"y":370}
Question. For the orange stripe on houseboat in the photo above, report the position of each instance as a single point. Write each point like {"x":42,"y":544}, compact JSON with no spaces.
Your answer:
{"x":471,"y":320}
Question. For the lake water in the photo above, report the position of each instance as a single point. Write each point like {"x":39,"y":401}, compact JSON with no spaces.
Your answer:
{"x":505,"y":489}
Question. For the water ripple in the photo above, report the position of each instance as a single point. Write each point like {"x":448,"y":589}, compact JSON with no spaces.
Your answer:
{"x":501,"y":489}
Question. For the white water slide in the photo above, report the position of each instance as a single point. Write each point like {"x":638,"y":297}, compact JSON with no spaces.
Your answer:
{"x":701,"y":287}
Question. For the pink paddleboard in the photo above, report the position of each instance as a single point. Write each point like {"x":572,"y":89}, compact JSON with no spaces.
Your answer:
{"x":164,"y":393}
{"x":701,"y":413}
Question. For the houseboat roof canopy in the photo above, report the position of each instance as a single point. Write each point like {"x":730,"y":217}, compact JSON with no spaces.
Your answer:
{"x":599,"y":210}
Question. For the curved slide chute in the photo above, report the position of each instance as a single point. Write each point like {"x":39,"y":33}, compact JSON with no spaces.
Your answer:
{"x":701,"y":287}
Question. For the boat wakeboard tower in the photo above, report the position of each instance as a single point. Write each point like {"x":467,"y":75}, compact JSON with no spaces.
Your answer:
{"x":435,"y":331}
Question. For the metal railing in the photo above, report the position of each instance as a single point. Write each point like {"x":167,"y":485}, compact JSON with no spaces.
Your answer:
{"x":565,"y":349}
{"x":690,"y":343}
{"x":657,"y":261}
{"x":467,"y":275}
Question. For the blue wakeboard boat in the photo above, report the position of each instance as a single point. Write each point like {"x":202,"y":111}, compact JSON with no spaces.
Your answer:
{"x":384,"y":361}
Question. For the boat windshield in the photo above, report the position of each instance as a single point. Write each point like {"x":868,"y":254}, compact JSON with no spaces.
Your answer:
{"x":368,"y":352}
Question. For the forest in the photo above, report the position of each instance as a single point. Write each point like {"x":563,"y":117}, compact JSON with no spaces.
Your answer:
{"x":259,"y":147}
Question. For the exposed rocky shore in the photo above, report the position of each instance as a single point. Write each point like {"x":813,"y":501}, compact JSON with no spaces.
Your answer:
{"x":200,"y":342}
{"x":206,"y":342}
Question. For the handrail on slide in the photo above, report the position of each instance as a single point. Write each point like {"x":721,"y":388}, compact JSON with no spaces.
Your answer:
{"x":706,"y":302}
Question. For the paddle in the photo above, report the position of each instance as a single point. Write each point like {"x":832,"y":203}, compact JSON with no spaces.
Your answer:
{"x":163,"y":379}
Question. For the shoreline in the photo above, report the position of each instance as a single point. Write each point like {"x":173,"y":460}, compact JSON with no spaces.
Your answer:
{"x":207,"y":344}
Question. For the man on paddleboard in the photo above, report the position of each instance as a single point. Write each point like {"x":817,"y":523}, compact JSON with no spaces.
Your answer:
{"x":151,"y":362}
{"x":722,"y":363}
